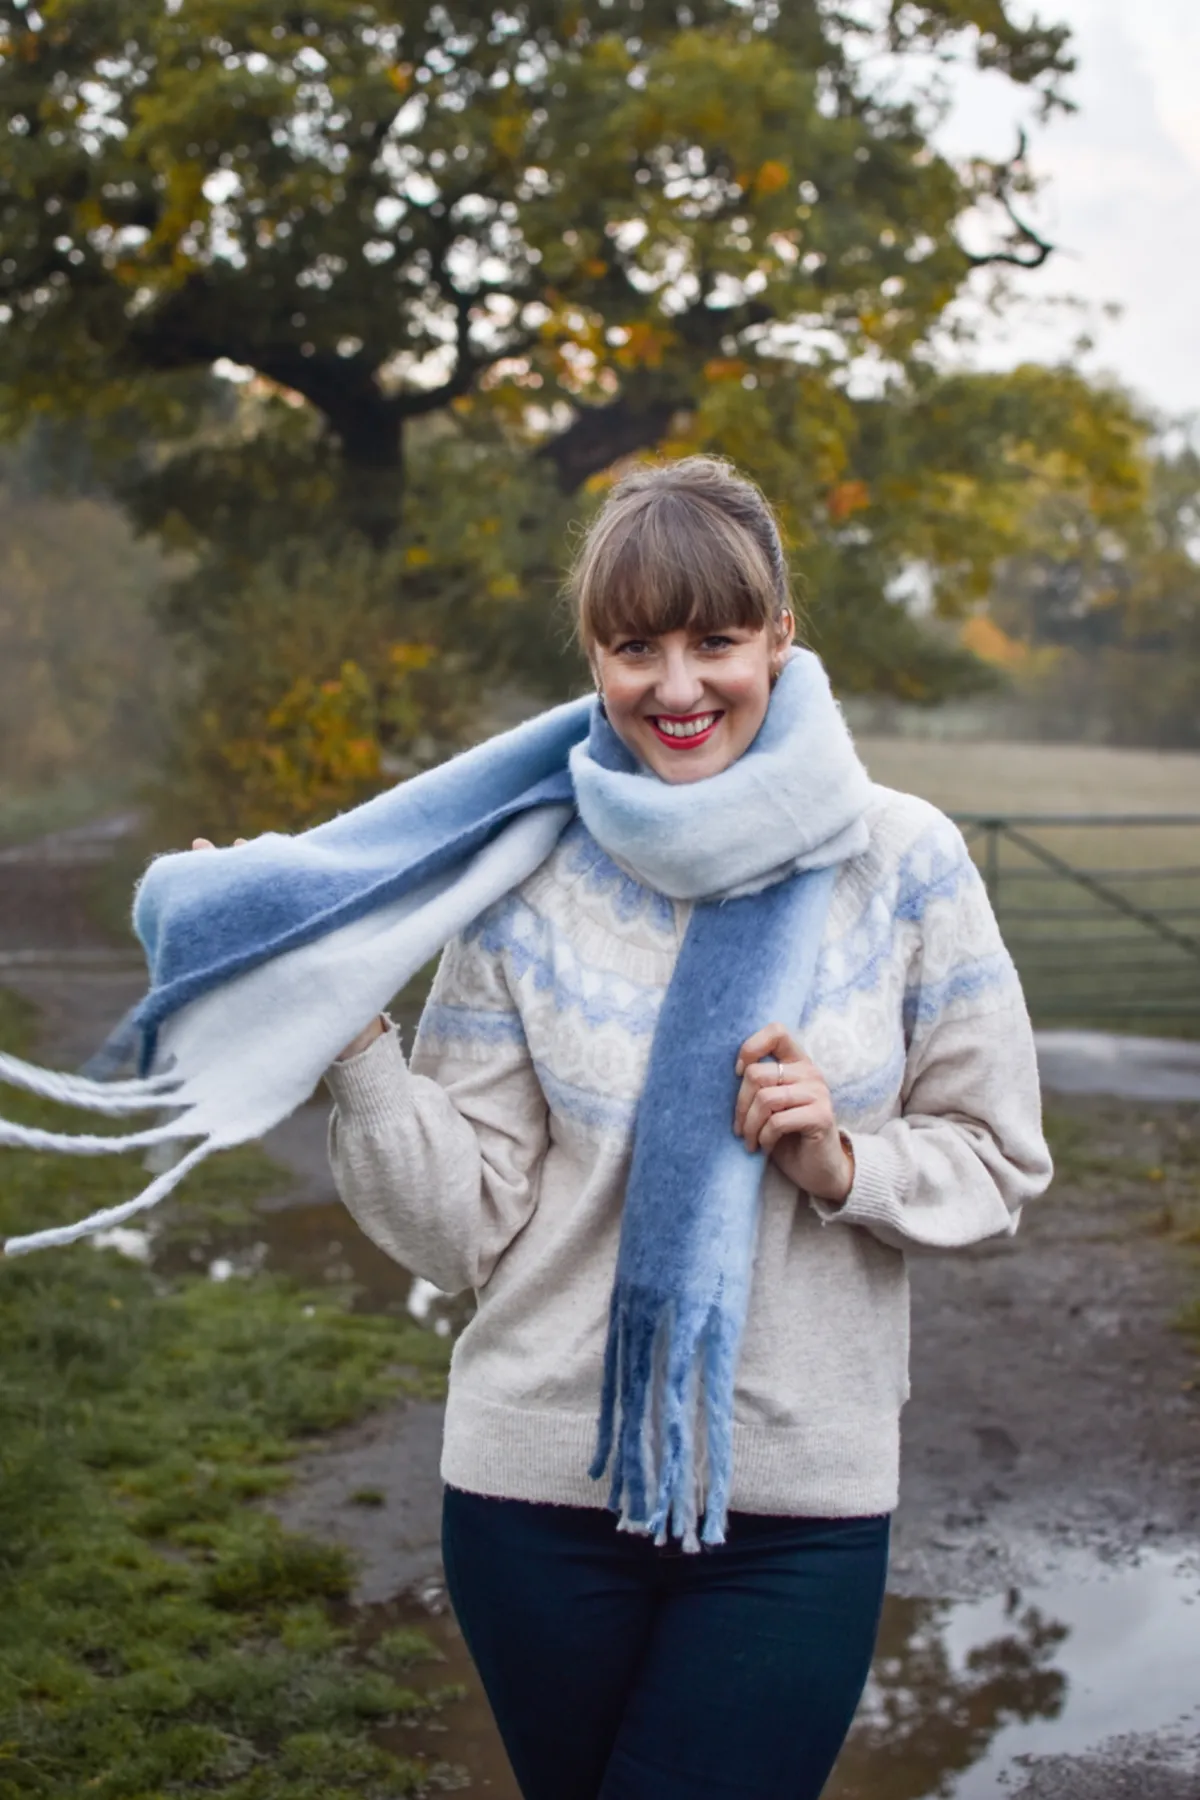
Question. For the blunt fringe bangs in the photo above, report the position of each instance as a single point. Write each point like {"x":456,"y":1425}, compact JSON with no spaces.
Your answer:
{"x":679,"y":546}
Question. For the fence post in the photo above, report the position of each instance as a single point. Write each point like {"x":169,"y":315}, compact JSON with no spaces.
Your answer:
{"x":991,"y":863}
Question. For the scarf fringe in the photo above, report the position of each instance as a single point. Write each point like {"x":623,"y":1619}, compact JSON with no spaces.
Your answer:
{"x":111,"y":1097}
{"x":693,"y":1348}
{"x":114,"y":1215}
{"x":114,"y":1100}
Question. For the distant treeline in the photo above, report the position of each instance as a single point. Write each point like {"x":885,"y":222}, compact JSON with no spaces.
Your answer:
{"x":84,"y":669}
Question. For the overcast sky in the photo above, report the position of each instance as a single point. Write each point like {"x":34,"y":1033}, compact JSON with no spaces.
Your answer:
{"x":1122,"y":192}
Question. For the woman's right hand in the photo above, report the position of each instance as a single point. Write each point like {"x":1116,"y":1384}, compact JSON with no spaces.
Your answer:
{"x":369,"y":1033}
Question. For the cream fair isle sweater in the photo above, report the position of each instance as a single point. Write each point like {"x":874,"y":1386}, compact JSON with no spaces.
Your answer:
{"x":496,"y":1161}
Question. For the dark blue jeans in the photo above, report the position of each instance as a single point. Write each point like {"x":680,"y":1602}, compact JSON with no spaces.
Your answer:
{"x":617,"y":1671}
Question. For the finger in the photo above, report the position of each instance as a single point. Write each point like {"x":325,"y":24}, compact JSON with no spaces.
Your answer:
{"x":773,"y":1071}
{"x":203,"y":844}
{"x":772,"y":1103}
{"x":759,"y":1083}
{"x":773,"y":1040}
{"x":801,"y":1121}
{"x":760,"y":1116}
{"x":238,"y":841}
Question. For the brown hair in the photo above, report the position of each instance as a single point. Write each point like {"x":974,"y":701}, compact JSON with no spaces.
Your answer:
{"x":678,"y":545}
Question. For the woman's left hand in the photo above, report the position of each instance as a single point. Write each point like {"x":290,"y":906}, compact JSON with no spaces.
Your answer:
{"x":784,"y":1109}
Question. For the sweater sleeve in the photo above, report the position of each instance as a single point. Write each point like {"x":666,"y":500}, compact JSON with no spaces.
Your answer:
{"x":967,"y":1151}
{"x":439,"y":1162}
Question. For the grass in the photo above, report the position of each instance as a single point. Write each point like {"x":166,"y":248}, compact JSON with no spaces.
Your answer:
{"x":1036,"y":778}
{"x":1083,"y":962}
{"x":1151,"y":1157}
{"x":160,"y":1634}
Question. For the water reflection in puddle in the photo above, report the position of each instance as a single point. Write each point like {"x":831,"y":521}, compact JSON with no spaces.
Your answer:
{"x":959,"y":1691}
{"x":317,"y":1246}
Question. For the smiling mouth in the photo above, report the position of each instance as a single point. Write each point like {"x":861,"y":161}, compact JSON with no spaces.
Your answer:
{"x":684,"y":734}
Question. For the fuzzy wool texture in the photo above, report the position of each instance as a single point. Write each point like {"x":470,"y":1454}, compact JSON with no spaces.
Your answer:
{"x":265,"y":959}
{"x":494,"y":1155}
{"x":691,"y":1211}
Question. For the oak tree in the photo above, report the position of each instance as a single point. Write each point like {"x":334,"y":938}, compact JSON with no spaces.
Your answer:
{"x":390,"y":206}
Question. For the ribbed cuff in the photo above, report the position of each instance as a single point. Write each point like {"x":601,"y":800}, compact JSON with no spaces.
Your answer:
{"x":877,"y":1178}
{"x":369,"y":1087}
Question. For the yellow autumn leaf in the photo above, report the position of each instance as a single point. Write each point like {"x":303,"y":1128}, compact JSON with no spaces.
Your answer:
{"x":725,"y":368}
{"x":411,"y":656}
{"x":985,"y":639}
{"x":645,"y":346}
{"x":847,"y":498}
{"x":771,"y":176}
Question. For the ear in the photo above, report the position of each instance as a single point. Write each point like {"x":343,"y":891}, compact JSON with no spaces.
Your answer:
{"x":784,"y":636}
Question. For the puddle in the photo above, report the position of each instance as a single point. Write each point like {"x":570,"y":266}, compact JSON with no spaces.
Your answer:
{"x":958,"y":1693}
{"x":458,"y":1744}
{"x":317,"y":1246}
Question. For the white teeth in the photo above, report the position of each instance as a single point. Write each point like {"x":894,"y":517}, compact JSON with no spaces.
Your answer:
{"x":686,"y":728}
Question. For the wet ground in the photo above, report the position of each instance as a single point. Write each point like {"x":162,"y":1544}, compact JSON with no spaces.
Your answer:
{"x":1041,"y":1639}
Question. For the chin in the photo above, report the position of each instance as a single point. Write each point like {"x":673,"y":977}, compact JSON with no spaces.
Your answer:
{"x":679,"y":768}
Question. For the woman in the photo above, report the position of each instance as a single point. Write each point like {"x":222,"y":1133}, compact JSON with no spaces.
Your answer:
{"x":900,"y":1111}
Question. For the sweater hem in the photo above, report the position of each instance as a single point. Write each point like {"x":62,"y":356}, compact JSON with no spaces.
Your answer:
{"x":505,"y":1452}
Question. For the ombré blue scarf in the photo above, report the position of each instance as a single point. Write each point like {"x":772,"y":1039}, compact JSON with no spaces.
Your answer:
{"x":265,"y":959}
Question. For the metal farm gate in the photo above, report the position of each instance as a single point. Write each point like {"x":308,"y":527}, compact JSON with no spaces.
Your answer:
{"x":1100,"y":912}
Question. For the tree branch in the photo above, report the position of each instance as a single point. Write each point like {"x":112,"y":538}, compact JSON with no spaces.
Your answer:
{"x":1040,"y":249}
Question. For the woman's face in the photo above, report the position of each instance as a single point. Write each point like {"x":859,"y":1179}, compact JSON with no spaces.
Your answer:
{"x":689,"y":703}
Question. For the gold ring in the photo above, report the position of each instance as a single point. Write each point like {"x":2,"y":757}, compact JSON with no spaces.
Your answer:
{"x":778,"y":1071}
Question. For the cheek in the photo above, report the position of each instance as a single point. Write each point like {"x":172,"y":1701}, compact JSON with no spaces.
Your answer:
{"x":746,"y":693}
{"x":623,"y":686}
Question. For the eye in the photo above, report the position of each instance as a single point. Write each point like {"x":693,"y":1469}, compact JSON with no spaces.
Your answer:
{"x":717,"y":640}
{"x":631,"y":647}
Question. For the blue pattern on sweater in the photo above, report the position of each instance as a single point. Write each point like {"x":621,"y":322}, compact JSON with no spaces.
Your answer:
{"x":934,"y":868}
{"x":533,"y":947}
{"x":925,"y":1003}
{"x":471,"y":1024}
{"x":878,"y":1088}
{"x":595,"y":1112}
{"x":630,"y":900}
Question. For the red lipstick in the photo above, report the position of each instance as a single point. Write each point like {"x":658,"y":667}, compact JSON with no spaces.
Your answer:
{"x":693,"y":741}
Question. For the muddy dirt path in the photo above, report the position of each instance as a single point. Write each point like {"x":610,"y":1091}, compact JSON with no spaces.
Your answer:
{"x":1042,"y":1633}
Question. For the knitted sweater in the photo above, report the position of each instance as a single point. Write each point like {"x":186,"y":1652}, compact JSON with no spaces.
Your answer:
{"x":497,"y":1160}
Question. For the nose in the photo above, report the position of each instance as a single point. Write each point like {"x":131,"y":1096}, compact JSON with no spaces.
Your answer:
{"x":680,"y":685}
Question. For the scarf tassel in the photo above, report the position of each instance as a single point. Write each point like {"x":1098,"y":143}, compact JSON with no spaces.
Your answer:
{"x":114,"y":1100}
{"x":692,"y":1350}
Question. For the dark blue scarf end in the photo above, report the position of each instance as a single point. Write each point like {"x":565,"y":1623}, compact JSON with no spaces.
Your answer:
{"x":648,"y":1426}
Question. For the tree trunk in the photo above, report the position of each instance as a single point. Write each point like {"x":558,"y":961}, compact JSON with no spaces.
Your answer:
{"x":602,"y":434}
{"x":371,"y":433}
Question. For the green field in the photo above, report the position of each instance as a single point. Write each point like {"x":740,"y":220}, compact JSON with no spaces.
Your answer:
{"x":1121,"y":950}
